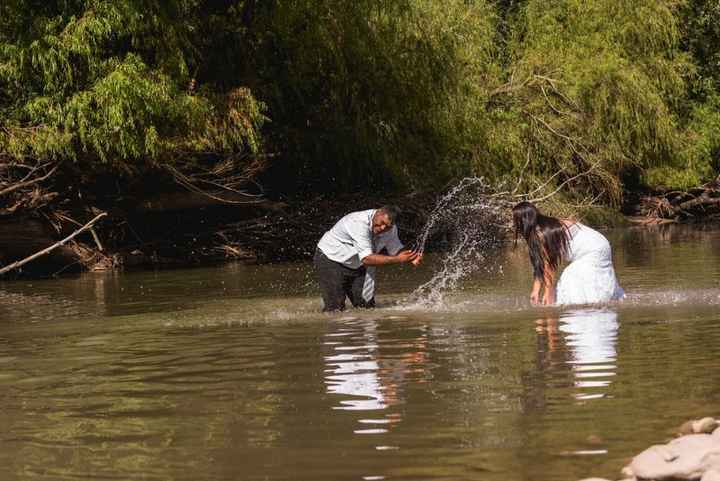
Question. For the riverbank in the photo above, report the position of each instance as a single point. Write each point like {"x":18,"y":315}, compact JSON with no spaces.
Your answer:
{"x":186,"y":229}
{"x":181,"y":231}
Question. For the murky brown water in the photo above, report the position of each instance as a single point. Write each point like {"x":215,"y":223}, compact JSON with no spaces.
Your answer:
{"x":232,"y":374}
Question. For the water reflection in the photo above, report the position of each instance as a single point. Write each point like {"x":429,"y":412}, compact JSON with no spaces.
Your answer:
{"x":585,"y":341}
{"x":224,"y":374}
{"x":369,"y":365}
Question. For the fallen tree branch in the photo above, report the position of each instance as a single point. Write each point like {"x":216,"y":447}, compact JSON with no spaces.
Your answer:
{"x":21,"y":185}
{"x":522,"y":173}
{"x":698,"y":203}
{"x":47,"y":250}
{"x":703,"y":200}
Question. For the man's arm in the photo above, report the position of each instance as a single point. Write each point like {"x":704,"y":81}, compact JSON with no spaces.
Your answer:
{"x":380,"y":260}
{"x":392,"y":244}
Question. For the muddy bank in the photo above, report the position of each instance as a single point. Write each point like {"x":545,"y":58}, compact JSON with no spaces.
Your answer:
{"x":181,"y":231}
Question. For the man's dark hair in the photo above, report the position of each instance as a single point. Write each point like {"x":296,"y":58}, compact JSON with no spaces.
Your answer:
{"x":392,"y":212}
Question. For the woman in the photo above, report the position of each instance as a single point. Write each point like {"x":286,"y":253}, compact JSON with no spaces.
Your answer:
{"x":588,"y":279}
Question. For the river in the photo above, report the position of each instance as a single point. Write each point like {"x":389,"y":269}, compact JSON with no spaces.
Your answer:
{"x":232,"y":373}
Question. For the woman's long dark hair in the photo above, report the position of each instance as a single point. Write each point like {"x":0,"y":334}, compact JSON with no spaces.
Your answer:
{"x":547,"y":238}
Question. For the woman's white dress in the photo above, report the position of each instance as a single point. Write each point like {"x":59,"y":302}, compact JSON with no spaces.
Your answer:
{"x":590,"y":276}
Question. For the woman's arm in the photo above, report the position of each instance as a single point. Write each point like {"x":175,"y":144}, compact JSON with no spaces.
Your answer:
{"x":535,"y":294}
{"x":549,"y":282}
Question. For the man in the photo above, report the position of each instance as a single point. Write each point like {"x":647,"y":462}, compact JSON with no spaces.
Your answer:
{"x":346,"y":252}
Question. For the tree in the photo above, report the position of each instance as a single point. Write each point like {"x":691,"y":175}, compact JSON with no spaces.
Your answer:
{"x":110,"y":87}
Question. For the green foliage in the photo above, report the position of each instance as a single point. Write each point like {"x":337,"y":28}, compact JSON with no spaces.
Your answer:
{"x":579,"y":95}
{"x":699,"y":160}
{"x":701,"y":37}
{"x":110,"y":82}
{"x":374,"y":92}
{"x":593,"y":87}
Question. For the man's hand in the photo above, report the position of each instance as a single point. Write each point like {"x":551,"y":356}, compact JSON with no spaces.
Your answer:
{"x":400,"y":258}
{"x":417,"y":260}
{"x":406,"y":256}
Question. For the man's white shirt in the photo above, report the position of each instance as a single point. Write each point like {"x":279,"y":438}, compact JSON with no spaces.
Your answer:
{"x":387,"y":240}
{"x":351,"y":240}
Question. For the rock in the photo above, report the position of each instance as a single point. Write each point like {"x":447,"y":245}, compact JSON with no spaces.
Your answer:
{"x":684,"y":458}
{"x":627,"y":472}
{"x":686,"y":428}
{"x":711,"y":475}
{"x":698,"y":426}
{"x":704,"y":425}
{"x":711,"y":460}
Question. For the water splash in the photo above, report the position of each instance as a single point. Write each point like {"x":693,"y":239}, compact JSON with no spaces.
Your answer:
{"x":443,"y":205}
{"x":471,"y":220}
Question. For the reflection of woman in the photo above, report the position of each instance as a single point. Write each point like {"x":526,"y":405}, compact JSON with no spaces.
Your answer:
{"x":584,"y":340}
{"x":591,"y":334}
{"x":589,"y":278}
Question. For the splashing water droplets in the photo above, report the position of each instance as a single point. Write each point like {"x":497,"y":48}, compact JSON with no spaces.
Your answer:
{"x":469,"y":220}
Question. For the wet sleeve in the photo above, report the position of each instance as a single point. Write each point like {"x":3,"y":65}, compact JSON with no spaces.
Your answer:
{"x":362,"y":241}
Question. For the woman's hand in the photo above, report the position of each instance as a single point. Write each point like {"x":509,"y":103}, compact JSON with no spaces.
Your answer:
{"x":534,"y":297}
{"x":535,"y":294}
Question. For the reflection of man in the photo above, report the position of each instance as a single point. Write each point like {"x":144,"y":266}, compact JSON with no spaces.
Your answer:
{"x":346,"y":251}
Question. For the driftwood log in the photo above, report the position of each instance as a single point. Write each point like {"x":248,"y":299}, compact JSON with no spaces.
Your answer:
{"x":699,"y":204}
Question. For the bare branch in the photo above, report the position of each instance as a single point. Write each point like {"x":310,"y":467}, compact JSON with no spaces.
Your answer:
{"x":702,"y":200}
{"x":20,"y":185}
{"x":47,"y":250}
{"x":545,"y":184}
{"x":557,"y":111}
{"x":187,"y":182}
{"x":510,"y":86}
{"x":581,"y":174}
{"x":547,"y":126}
{"x":522,"y":173}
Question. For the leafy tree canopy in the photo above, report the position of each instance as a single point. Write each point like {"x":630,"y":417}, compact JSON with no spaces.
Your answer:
{"x":114,"y":83}
{"x":590,"y":96}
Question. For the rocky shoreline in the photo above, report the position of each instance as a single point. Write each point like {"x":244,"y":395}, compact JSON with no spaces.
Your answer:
{"x":693,"y":455}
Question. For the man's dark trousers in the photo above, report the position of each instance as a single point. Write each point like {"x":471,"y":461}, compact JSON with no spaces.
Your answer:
{"x":338,"y":281}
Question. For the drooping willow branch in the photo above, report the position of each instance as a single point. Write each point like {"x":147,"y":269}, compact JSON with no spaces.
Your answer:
{"x":190,"y":183}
